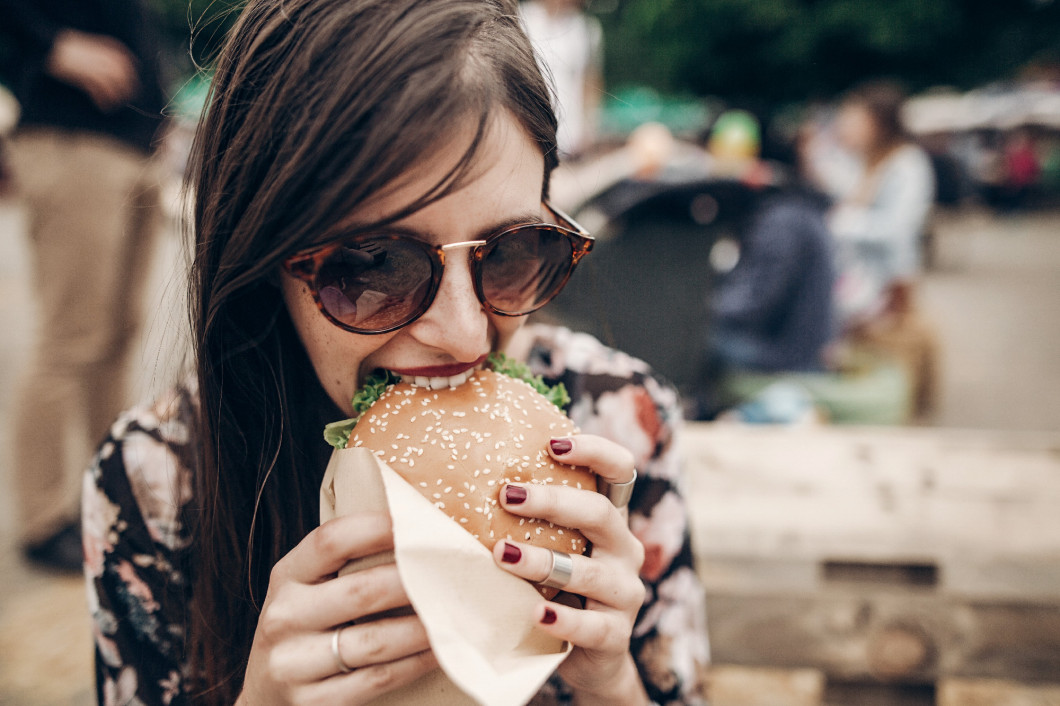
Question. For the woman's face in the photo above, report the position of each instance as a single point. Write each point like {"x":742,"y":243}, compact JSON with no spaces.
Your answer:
{"x":456,"y":333}
{"x":856,"y":128}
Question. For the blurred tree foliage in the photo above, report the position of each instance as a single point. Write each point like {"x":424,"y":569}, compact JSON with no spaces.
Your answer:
{"x":769,"y":51}
{"x":760,"y":52}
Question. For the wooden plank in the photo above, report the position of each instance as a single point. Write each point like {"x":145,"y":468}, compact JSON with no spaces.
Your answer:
{"x":996,"y":692}
{"x":889,"y":635}
{"x":980,"y":506}
{"x":733,"y":685}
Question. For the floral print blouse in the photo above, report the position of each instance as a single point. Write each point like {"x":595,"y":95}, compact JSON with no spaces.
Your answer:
{"x":138,"y":553}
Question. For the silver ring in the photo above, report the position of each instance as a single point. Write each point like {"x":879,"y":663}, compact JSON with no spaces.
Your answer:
{"x":618,"y":493}
{"x":343,"y":667}
{"x":560,"y":572}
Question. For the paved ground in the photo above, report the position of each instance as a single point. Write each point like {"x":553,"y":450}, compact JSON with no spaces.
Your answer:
{"x":995,"y":299}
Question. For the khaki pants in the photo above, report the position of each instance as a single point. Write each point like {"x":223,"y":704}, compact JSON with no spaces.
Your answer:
{"x":93,"y":215}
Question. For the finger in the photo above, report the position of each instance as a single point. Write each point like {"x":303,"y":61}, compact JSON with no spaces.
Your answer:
{"x":296,"y":607}
{"x":587,"y":511}
{"x":606,"y":458}
{"x":362,"y":685}
{"x":310,"y":657}
{"x":604,"y":631}
{"x":592,"y":578}
{"x":333,"y":544}
{"x":379,"y":641}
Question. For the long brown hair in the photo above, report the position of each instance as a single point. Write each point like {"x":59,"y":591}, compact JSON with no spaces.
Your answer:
{"x":316,"y":105}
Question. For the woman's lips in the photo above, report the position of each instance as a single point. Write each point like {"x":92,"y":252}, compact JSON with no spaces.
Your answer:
{"x":437,"y":377}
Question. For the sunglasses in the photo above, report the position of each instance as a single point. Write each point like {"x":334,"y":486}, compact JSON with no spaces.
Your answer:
{"x":379,"y":282}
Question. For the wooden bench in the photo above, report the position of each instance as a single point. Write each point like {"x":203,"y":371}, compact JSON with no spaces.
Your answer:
{"x":924,"y":563}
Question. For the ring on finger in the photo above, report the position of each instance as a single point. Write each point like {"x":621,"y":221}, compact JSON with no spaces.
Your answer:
{"x":618,"y":493}
{"x":339,"y":661}
{"x":560,"y":570}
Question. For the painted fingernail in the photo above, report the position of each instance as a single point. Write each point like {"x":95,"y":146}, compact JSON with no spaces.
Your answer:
{"x":549,"y":617}
{"x":511,"y":554}
{"x":514,"y":495}
{"x":561,"y":446}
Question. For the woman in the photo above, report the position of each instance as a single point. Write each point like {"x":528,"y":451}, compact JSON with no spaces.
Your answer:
{"x":332,"y":121}
{"x":881,"y":221}
{"x":879,"y":230}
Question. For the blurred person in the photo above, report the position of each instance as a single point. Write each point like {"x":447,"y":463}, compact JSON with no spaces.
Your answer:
{"x":821,"y":161}
{"x":879,"y":229}
{"x":880,"y":223}
{"x":772,"y":311}
{"x":421,"y":131}
{"x":87,"y":80}
{"x":569,"y":44}
{"x":8,"y":120}
{"x":1022,"y":169}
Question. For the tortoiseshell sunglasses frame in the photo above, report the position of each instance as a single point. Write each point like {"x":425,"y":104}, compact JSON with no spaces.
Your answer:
{"x":306,"y":265}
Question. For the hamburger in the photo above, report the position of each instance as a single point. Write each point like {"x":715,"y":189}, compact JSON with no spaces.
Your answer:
{"x":459,"y":446}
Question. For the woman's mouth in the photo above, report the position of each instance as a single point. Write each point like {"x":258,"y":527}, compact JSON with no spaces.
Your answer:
{"x":439,"y":377}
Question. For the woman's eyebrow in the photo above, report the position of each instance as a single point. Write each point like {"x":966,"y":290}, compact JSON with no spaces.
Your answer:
{"x":517,"y":220}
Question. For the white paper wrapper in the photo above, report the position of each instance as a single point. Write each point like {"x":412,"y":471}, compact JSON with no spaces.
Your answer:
{"x":478,"y":617}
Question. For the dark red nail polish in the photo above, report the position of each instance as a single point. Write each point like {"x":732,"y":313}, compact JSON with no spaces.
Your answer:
{"x":514,"y":495}
{"x":549,"y":617}
{"x":561,"y":446}
{"x":511,"y":554}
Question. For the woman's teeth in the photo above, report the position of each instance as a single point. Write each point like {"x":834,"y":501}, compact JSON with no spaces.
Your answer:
{"x":439,"y":383}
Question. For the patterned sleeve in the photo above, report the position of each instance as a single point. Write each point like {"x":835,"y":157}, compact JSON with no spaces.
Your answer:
{"x":135,"y":547}
{"x":617,"y":397}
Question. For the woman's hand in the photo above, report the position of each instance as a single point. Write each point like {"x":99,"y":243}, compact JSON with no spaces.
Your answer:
{"x":292,"y":659}
{"x":600,"y":668}
{"x":99,"y":65}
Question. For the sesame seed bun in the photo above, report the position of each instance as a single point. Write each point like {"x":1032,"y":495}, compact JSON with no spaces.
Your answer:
{"x":459,"y":446}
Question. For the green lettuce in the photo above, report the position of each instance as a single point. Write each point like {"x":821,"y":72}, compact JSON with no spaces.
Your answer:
{"x":338,"y":433}
{"x":556,"y":394}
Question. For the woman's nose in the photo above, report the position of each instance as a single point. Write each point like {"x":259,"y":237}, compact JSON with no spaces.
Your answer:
{"x":456,"y":323}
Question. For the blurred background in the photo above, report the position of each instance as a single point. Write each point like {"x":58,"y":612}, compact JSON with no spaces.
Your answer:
{"x":835,"y":226}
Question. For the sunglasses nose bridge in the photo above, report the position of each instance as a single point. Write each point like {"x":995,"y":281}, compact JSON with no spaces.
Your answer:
{"x":442,"y":249}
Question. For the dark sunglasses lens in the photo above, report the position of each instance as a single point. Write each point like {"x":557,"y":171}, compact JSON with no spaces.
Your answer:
{"x":375,"y":284}
{"x":525,"y":268}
